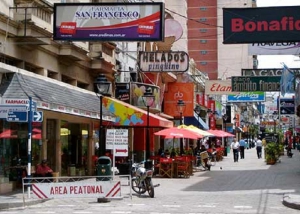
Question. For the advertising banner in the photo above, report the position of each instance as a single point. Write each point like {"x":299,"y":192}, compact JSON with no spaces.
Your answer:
{"x":261,"y":24}
{"x":164,"y":61}
{"x":179,"y":91}
{"x":108,"y":21}
{"x":287,"y":105}
{"x":265,"y":83}
{"x":256,"y":96}
{"x":218,"y":87}
{"x":274,"y":48}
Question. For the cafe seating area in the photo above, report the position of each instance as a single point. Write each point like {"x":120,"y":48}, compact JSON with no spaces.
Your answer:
{"x":177,"y":167}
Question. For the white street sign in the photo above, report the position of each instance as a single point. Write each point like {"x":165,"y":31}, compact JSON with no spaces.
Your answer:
{"x":117,"y":140}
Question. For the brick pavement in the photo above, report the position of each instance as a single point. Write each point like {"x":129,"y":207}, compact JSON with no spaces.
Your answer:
{"x":233,"y":177}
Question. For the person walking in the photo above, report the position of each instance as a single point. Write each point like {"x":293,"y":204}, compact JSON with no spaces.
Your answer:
{"x":258,"y":148}
{"x":242,"y":148}
{"x":235,"y":148}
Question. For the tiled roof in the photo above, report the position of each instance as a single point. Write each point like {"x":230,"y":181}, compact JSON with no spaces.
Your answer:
{"x":22,"y":86}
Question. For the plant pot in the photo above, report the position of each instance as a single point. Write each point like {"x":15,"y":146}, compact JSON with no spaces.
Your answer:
{"x":271,"y":161}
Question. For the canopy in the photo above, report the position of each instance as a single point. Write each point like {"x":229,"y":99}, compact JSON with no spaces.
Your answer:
{"x":220,"y":133}
{"x":178,"y":133}
{"x":8,"y":133}
{"x":197,"y":130}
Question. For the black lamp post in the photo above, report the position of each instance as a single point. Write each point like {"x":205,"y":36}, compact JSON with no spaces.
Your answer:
{"x":180,"y":108}
{"x":101,"y":88}
{"x":197,"y":110}
{"x":275,"y":117}
{"x":246,"y":123}
{"x":225,"y":117}
{"x":148,"y":99}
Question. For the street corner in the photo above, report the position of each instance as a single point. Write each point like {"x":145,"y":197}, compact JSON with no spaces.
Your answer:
{"x":291,"y":201}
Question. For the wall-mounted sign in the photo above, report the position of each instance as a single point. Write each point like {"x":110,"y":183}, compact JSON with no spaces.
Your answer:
{"x":287,"y":105}
{"x":122,"y":92}
{"x":267,"y":72}
{"x":218,"y":87}
{"x":109,"y":21}
{"x":274,"y":48}
{"x":265,"y":83}
{"x":261,"y":24}
{"x":257,"y":96}
{"x":164,"y":61}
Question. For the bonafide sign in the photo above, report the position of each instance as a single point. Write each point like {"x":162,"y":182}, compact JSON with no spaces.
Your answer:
{"x":164,"y":61}
{"x":263,"y":24}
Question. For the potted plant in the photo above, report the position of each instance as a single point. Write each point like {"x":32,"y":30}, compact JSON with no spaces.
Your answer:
{"x":271,"y":150}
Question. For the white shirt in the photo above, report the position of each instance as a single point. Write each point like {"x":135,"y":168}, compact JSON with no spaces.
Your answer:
{"x":235,"y":145}
{"x":258,"y":143}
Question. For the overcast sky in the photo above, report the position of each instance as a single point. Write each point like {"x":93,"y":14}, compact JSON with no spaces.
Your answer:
{"x":274,"y":61}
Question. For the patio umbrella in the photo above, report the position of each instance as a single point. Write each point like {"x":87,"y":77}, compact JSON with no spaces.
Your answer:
{"x":197,"y":130}
{"x":220,"y":133}
{"x":178,"y":133}
{"x":8,"y":133}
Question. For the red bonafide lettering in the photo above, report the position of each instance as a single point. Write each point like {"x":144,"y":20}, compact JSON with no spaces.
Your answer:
{"x":285,"y":24}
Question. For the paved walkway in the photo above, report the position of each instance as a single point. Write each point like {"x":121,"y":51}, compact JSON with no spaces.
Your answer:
{"x":289,"y":177}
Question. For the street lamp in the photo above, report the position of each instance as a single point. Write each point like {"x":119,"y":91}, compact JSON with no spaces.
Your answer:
{"x":197,"y":110}
{"x":275,"y":117}
{"x":225,"y":117}
{"x":180,"y":108}
{"x":148,"y":99}
{"x":101,"y":88}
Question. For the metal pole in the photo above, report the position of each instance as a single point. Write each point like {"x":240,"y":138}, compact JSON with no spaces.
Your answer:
{"x":148,"y":136}
{"x":101,"y":133}
{"x":181,"y":139}
{"x":29,"y":144}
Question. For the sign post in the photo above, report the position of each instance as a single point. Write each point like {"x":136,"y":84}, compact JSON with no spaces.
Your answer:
{"x":29,"y":143}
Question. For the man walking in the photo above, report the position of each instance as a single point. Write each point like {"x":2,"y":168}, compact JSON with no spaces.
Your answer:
{"x":258,"y":148}
{"x":242,"y":148}
{"x":235,"y":148}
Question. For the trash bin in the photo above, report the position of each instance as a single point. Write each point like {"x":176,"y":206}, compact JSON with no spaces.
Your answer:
{"x":103,"y":168}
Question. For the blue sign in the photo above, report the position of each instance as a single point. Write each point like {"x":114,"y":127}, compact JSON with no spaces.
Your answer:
{"x":37,"y":116}
{"x":17,"y":116}
{"x":255,"y":96}
{"x":33,"y":106}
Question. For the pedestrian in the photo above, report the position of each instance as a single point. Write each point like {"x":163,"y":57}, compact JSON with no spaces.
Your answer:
{"x":258,"y":147}
{"x":235,"y":146}
{"x":242,"y":148}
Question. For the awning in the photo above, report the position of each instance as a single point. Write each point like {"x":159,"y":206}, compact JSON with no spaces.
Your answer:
{"x":194,"y":121}
{"x":129,"y":115}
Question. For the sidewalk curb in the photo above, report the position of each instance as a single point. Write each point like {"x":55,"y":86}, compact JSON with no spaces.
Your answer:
{"x":9,"y":205}
{"x":291,"y":201}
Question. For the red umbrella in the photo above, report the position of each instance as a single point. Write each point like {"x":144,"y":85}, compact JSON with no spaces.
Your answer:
{"x":220,"y":133}
{"x":37,"y":136}
{"x":8,"y":134}
{"x":36,"y":130}
{"x":178,"y":133}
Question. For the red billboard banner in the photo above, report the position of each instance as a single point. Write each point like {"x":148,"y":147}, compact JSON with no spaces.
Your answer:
{"x":261,"y":24}
{"x":109,"y":21}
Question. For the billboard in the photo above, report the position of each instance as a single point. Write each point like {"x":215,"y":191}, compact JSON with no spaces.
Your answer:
{"x":257,"y":96}
{"x":263,"y":83}
{"x":175,"y":61}
{"x":286,"y":105}
{"x":108,"y":21}
{"x":261,"y":24}
{"x":274,"y":48}
{"x":267,"y":71}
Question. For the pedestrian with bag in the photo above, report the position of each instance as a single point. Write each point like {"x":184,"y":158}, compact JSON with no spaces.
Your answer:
{"x":235,"y":146}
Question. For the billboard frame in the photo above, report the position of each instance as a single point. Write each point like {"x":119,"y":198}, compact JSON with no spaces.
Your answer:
{"x":107,"y":34}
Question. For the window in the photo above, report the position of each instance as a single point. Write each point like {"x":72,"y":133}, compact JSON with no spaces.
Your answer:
{"x":203,"y":19}
{"x":203,"y":63}
{"x":203,"y":52}
{"x":203,"y":41}
{"x":203,"y":8}
{"x":203,"y":30}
